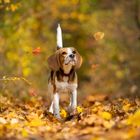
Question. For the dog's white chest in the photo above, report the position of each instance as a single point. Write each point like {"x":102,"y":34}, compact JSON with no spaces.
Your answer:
{"x":65,"y":86}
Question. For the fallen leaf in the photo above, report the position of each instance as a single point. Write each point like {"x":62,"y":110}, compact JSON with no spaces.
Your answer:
{"x":63,"y":113}
{"x":32,"y":92}
{"x":108,"y":124}
{"x":105,"y":115}
{"x":126,"y":107}
{"x":36,"y":122}
{"x":79,"y":109}
{"x":96,"y":97}
{"x":14,"y":121}
{"x":2,"y":120}
{"x":24,"y":133}
{"x":134,"y":119}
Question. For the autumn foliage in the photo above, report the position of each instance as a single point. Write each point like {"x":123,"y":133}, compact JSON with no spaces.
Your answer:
{"x":107,"y":35}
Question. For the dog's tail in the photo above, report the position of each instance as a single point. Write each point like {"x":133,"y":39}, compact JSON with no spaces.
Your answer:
{"x":59,"y":37}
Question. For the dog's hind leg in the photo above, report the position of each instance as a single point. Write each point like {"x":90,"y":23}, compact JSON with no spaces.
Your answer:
{"x":50,"y":96}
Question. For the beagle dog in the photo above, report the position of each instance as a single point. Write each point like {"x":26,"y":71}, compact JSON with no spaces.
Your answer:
{"x":63,"y":78}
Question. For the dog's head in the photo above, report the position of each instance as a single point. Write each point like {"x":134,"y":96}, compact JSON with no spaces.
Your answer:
{"x":64,"y":57}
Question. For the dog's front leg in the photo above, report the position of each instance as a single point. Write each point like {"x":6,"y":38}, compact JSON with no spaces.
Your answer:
{"x":51,"y":107}
{"x":56,"y":105}
{"x":73,"y":101}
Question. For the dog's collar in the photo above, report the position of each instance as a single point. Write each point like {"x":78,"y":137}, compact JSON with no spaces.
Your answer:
{"x":66,"y":74}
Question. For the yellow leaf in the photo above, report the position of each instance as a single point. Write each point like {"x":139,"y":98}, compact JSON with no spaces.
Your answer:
{"x":126,"y":107}
{"x":79,"y":109}
{"x":12,"y":114}
{"x":63,"y":113}
{"x":36,"y":122}
{"x":108,"y":124}
{"x":24,"y":133}
{"x":98,"y":36}
{"x":134,"y":119}
{"x":105,"y":115}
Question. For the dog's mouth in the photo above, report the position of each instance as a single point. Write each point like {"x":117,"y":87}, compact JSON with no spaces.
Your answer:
{"x":72,"y":62}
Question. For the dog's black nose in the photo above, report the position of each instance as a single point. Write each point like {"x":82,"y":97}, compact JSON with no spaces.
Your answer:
{"x":71,"y":55}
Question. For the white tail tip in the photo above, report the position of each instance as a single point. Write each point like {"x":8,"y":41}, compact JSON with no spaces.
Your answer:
{"x":59,"y":37}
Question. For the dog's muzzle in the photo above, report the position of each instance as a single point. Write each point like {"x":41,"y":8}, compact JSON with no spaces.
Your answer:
{"x":71,"y":59}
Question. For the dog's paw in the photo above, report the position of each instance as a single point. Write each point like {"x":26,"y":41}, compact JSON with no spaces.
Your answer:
{"x":58,"y":116}
{"x":72,"y":111}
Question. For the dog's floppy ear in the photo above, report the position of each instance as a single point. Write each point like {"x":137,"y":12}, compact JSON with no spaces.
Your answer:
{"x":79,"y":60}
{"x":53,"y":62}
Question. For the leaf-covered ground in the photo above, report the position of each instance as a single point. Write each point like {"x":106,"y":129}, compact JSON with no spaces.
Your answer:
{"x":98,"y":118}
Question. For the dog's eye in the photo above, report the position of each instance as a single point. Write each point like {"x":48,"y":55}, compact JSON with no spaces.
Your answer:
{"x":63,"y":53}
{"x":74,"y":52}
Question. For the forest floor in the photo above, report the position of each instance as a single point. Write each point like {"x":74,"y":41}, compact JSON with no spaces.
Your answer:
{"x":98,"y":118}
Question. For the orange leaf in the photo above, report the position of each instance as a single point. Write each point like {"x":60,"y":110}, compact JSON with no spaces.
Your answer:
{"x":36,"y":51}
